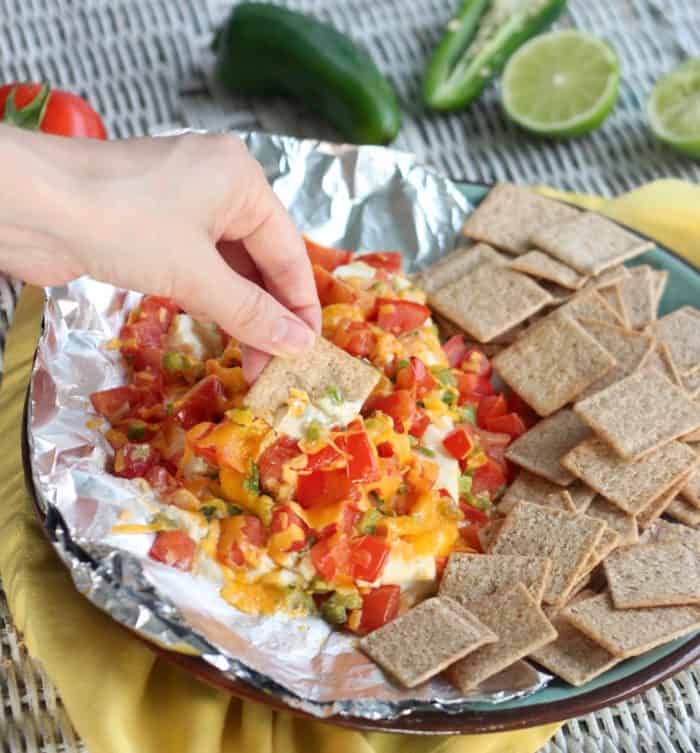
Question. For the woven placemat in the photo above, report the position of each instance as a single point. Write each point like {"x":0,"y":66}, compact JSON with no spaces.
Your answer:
{"x":140,"y":62}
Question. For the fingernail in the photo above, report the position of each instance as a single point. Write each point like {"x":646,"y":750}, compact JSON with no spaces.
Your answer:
{"x":291,"y":336}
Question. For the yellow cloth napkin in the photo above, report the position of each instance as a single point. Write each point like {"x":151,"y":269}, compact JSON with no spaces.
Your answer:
{"x":121,"y":697}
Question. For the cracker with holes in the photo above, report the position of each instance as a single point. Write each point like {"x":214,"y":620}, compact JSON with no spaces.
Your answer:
{"x":640,"y":413}
{"x":589,"y":243}
{"x":508,"y":216}
{"x":426,"y":640}
{"x":680,"y":332}
{"x":489,"y":301}
{"x":552,"y":363}
{"x":457,"y":264}
{"x":543,"y":267}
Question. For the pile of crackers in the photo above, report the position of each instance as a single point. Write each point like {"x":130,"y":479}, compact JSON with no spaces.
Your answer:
{"x":580,"y":570}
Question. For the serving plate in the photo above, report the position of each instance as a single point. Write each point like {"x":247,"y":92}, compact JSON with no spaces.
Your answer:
{"x":556,"y":702}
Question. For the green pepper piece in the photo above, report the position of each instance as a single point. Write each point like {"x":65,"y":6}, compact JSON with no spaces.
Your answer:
{"x":335,"y":608}
{"x":368,"y":522}
{"x":136,"y":431}
{"x":174,"y":362}
{"x":478,"y":42}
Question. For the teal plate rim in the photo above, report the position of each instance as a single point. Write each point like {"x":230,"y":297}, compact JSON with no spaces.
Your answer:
{"x":555,"y":703}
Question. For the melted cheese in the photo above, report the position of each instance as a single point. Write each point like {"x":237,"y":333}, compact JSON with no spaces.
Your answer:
{"x":326,"y":413}
{"x":357,"y":270}
{"x":449,"y":472}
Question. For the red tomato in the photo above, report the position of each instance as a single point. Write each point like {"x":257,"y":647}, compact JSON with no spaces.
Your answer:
{"x":331,"y":556}
{"x":420,"y":423}
{"x":476,"y":361}
{"x":355,"y":338}
{"x":161,"y":480}
{"x":148,"y":359}
{"x":174,"y":548}
{"x":385,"y":449}
{"x":322,"y":487}
{"x":389,"y":260}
{"x":489,"y":478}
{"x":519,"y":406}
{"x":159,"y":309}
{"x":332,"y":290}
{"x":368,"y":556}
{"x":510,"y":424}
{"x":493,"y":444}
{"x":470,"y":534}
{"x":472,"y":387}
{"x":204,"y":402}
{"x":400,"y":406}
{"x":455,"y":349}
{"x":474,"y":515}
{"x":416,"y":376}
{"x":52,"y":111}
{"x":246,"y":530}
{"x":362,"y":463}
{"x":458,"y":443}
{"x":379,"y":606}
{"x":284,"y":517}
{"x":491,"y":406}
{"x":272,"y":460}
{"x":397,"y":316}
{"x":134,"y":460}
{"x":349,"y":515}
{"x":145,"y":333}
{"x":325,"y":256}
{"x":115,"y":404}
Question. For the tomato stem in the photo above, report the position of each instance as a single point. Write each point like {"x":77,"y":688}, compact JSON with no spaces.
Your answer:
{"x":32,"y":114}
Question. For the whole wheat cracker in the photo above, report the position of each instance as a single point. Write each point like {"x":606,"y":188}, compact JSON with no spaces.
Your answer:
{"x":427,"y":639}
{"x":692,"y":438}
{"x":659,"y":283}
{"x":458,"y":263}
{"x":589,"y":243}
{"x":691,"y":384}
{"x":684,"y":512}
{"x":540,"y":449}
{"x":664,"y":532}
{"x":609,"y":541}
{"x":612,"y":296}
{"x":623,"y":524}
{"x":537,"y":264}
{"x":657,"y":507}
{"x":640,"y":413}
{"x":629,"y":485}
{"x":528,"y":487}
{"x":522,"y":628}
{"x":489,"y":301}
{"x":470,"y":578}
{"x":691,"y":491}
{"x":680,"y":332}
{"x":323,"y":367}
{"x":509,"y":214}
{"x":552,"y":363}
{"x":638,"y":297}
{"x":567,"y":539}
{"x":654,"y":575}
{"x":590,"y":304}
{"x":608,"y":277}
{"x":659,"y":358}
{"x":630,"y":632}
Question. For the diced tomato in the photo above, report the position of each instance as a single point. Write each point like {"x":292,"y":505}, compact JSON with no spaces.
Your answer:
{"x":161,"y":480}
{"x":322,"y":487}
{"x":158,"y":309}
{"x":470,"y":534}
{"x":459,"y":442}
{"x":174,"y":548}
{"x":493,"y":444}
{"x":472,"y":387}
{"x":379,"y":606}
{"x":400,"y":406}
{"x":332,"y":290}
{"x":331,"y":556}
{"x":355,"y":338}
{"x":284,"y":518}
{"x":134,"y":460}
{"x":489,"y":478}
{"x":510,"y":424}
{"x":148,"y":359}
{"x":272,"y":460}
{"x":475,"y":361}
{"x":368,"y":556}
{"x":455,"y":349}
{"x":115,"y":404}
{"x":145,"y":333}
{"x":238,"y":534}
{"x":474,"y":514}
{"x":325,"y":256}
{"x":385,"y":449}
{"x":491,"y":406}
{"x":416,"y":377}
{"x":420,"y":423}
{"x":204,"y":402}
{"x":348,"y":517}
{"x":362,"y":463}
{"x":399,"y":316}
{"x":388,"y":260}
{"x":519,"y":406}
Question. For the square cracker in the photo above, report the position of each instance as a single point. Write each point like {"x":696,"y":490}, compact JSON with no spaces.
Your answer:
{"x":659,"y":358}
{"x":623,"y":524}
{"x":609,"y":541}
{"x":654,"y":575}
{"x":470,"y":578}
{"x":657,"y":507}
{"x":589,"y":243}
{"x":659,"y":283}
{"x":640,"y":413}
{"x":323,"y":367}
{"x":691,"y":491}
{"x":510,"y":214}
{"x":629,"y":349}
{"x":552,"y":363}
{"x":680,"y":331}
{"x":630,"y":632}
{"x":684,"y":512}
{"x":638,"y":297}
{"x":567,"y":539}
{"x":489,"y":301}
{"x":456,"y":264}
{"x":541,"y":448}
{"x":631,"y":486}
{"x":590,"y":304}
{"x":527,"y":487}
{"x":427,"y":639}
{"x":612,"y":296}
{"x":522,"y":628}
{"x":665,"y":532}
{"x":537,"y":264}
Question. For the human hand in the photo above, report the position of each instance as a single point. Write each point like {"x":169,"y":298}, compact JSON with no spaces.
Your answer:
{"x":189,"y":217}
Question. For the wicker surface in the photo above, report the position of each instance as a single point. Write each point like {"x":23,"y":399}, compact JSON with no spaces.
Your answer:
{"x":131,"y":57}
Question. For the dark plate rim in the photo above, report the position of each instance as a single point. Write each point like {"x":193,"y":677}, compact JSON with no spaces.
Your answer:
{"x":428,"y":723}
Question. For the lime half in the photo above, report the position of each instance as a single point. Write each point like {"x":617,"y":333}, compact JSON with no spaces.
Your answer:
{"x":674,"y":108}
{"x":561,"y":84}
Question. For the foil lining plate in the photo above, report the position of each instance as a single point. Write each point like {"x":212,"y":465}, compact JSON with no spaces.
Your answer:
{"x":366,"y":198}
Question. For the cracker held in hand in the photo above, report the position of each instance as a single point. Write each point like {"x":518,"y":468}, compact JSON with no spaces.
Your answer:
{"x":427,"y":639}
{"x":653,"y":576}
{"x":630,"y":632}
{"x":456,"y":264}
{"x":522,"y":628}
{"x":324,"y":370}
{"x":537,"y":264}
{"x":680,"y":332}
{"x":640,"y":413}
{"x":489,"y":301}
{"x":510,"y":214}
{"x":552,"y":363}
{"x":631,"y":486}
{"x":567,"y":539}
{"x":541,"y":448}
{"x":473,"y":578}
{"x":589,"y":243}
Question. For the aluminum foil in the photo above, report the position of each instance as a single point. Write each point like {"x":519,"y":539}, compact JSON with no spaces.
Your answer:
{"x":356,"y":197}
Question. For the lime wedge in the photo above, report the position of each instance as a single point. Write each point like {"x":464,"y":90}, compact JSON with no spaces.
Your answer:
{"x":674,"y":108}
{"x":561,"y":84}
